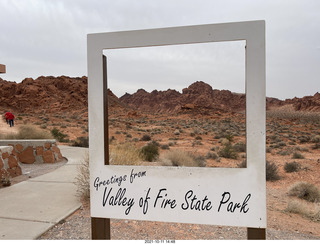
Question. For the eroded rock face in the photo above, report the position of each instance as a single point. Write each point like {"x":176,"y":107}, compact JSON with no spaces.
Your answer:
{"x":62,"y":94}
{"x":55,"y":93}
{"x":198,"y":95}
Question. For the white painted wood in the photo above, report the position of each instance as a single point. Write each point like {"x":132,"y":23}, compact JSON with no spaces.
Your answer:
{"x":216,"y":191}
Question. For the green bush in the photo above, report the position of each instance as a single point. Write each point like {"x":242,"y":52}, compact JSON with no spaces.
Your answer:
{"x":150,"y":152}
{"x":228,"y":152}
{"x":291,"y":167}
{"x":59,"y":135}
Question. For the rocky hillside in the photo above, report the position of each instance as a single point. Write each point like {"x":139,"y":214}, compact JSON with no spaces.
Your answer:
{"x":198,"y":96}
{"x":48,"y":95}
{"x":59,"y":94}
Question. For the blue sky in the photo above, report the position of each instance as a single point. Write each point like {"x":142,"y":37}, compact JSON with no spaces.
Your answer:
{"x":45,"y":37}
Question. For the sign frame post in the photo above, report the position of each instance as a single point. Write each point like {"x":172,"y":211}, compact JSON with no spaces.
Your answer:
{"x":2,"y":68}
{"x":217,"y":186}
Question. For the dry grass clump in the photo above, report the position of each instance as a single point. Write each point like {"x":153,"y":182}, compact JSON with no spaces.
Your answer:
{"x":124,"y":154}
{"x":182,"y":158}
{"x":288,"y":113}
{"x":83,"y":179}
{"x":303,"y":209}
{"x":306,"y":191}
{"x":29,"y":132}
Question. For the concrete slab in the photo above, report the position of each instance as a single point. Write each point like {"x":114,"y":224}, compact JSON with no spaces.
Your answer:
{"x":12,"y":229}
{"x":64,"y":174}
{"x":37,"y":201}
{"x":30,"y":208}
{"x":75,"y":155}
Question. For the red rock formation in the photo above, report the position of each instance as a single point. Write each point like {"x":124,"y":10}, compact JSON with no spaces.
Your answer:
{"x":198,"y":95}
{"x":59,"y":94}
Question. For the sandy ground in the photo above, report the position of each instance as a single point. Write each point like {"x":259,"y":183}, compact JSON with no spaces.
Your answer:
{"x":281,"y":224}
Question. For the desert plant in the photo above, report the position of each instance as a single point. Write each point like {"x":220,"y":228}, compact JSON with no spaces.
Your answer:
{"x":306,"y":191}
{"x":59,"y":135}
{"x":124,"y":154}
{"x":271,"y":171}
{"x":211,"y":155}
{"x":81,"y":142}
{"x":29,"y":132}
{"x":145,"y":138}
{"x":243,"y":164}
{"x":182,"y":158}
{"x":165,"y":147}
{"x":297,"y":155}
{"x":227,"y":151}
{"x":150,"y":152}
{"x":6,"y":179}
{"x":239,"y":147}
{"x":83,"y":179}
{"x":292,"y":167}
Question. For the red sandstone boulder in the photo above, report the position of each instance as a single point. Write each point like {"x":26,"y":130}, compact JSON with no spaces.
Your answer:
{"x":27,"y":156}
{"x":48,"y":157}
{"x":12,"y":162}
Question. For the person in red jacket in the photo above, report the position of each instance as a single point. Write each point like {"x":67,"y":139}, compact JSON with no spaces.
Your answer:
{"x":11,"y":119}
{"x":6,"y":115}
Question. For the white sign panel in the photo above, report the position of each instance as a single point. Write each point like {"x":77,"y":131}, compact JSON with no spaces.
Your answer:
{"x":218,"y":196}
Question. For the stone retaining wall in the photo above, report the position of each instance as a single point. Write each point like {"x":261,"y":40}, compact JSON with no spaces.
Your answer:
{"x":9,"y":162}
{"x":34,"y":151}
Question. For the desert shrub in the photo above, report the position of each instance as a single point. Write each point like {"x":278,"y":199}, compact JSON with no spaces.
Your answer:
{"x":272,"y":171}
{"x":297,"y":207}
{"x":239,"y":147}
{"x":306,"y":191}
{"x":243,"y":164}
{"x":182,"y":158}
{"x":198,"y":138}
{"x":297,"y":155}
{"x":304,"y":139}
{"x":227,"y":151}
{"x":316,"y":146}
{"x":292,"y":167}
{"x":315,"y":139}
{"x":124,"y":154}
{"x":83,"y":179}
{"x":29,"y":132}
{"x":211,"y":155}
{"x":59,"y":135}
{"x":81,"y":142}
{"x":165,"y":147}
{"x":150,"y":152}
{"x":145,"y":138}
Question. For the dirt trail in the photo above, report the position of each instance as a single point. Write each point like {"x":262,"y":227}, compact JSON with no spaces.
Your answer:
{"x":5,"y":129}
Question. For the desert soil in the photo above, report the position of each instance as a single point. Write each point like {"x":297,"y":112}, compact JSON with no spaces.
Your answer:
{"x":281,"y":224}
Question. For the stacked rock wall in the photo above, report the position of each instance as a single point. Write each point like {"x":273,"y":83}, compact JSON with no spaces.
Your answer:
{"x":34,"y":151}
{"x":9,"y":162}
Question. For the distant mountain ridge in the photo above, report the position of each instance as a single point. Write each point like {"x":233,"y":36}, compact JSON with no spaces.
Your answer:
{"x":57,"y":94}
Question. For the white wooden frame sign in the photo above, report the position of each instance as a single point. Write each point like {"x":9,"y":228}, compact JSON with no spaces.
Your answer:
{"x":217,"y":196}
